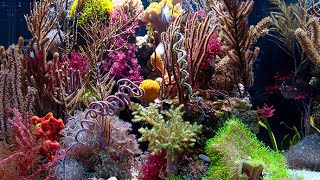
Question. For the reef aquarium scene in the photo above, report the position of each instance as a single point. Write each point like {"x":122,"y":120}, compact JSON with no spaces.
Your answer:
{"x":160,"y":89}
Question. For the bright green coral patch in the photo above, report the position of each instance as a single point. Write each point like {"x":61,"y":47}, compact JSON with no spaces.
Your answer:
{"x":235,"y":145}
{"x":91,"y":8}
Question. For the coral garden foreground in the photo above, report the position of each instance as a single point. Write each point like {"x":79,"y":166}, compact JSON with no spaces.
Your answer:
{"x":110,"y":89}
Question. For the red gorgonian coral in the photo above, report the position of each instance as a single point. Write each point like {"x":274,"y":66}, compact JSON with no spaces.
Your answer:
{"x":265,"y":111}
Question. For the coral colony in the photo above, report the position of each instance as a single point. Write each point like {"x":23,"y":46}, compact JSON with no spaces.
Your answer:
{"x":86,"y":97}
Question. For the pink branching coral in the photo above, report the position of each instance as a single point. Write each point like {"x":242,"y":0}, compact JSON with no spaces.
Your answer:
{"x":122,"y":61}
{"x":77,"y":61}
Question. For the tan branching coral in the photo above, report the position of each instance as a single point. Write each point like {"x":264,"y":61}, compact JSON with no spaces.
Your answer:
{"x":43,"y":20}
{"x":13,"y":92}
{"x":239,"y":42}
{"x":196,"y":32}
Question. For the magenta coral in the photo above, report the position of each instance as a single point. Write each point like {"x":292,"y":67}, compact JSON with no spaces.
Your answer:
{"x":154,"y":166}
{"x":123,"y":63}
{"x":77,"y":61}
{"x":265,"y":111}
{"x":214,"y":49}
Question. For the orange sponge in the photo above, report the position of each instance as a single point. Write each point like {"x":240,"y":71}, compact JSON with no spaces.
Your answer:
{"x":151,"y":88}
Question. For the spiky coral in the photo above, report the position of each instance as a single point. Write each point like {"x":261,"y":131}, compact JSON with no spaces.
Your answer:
{"x":235,"y":147}
{"x":173,"y":135}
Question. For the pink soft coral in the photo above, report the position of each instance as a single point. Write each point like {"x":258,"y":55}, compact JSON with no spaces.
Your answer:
{"x":77,"y":61}
{"x":123,"y":62}
{"x":154,"y":166}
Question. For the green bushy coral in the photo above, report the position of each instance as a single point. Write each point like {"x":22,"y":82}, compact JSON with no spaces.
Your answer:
{"x":88,"y":8}
{"x":173,"y":134}
{"x":235,"y":145}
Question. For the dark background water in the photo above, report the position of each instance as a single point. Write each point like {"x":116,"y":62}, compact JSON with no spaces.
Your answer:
{"x":271,"y":60}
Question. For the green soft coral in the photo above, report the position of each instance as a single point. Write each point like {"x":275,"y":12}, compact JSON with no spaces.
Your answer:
{"x":174,"y":135}
{"x":235,"y":145}
{"x":91,"y":8}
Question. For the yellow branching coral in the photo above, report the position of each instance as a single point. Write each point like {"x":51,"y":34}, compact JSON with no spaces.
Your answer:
{"x":151,"y":88}
{"x":88,"y":8}
{"x":173,"y":135}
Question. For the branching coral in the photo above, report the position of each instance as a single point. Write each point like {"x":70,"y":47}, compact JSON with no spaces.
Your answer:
{"x":14,"y":92}
{"x":54,"y":81}
{"x":236,"y":153}
{"x":238,"y":44}
{"x":41,"y":22}
{"x":173,"y":135}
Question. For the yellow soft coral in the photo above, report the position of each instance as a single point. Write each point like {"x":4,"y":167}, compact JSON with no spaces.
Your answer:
{"x":88,"y":8}
{"x":151,"y":88}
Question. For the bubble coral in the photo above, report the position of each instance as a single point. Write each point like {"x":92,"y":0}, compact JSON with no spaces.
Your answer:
{"x":151,"y":88}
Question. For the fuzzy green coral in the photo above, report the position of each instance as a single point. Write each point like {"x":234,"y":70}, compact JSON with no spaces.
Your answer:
{"x":173,"y":135}
{"x":235,"y":145}
{"x":89,"y":8}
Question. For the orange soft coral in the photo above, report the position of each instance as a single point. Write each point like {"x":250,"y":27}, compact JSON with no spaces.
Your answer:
{"x":151,"y":88}
{"x":48,"y":126}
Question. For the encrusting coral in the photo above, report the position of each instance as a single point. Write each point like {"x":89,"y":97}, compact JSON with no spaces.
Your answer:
{"x":238,"y":44}
{"x":236,"y":153}
{"x":173,"y":135}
